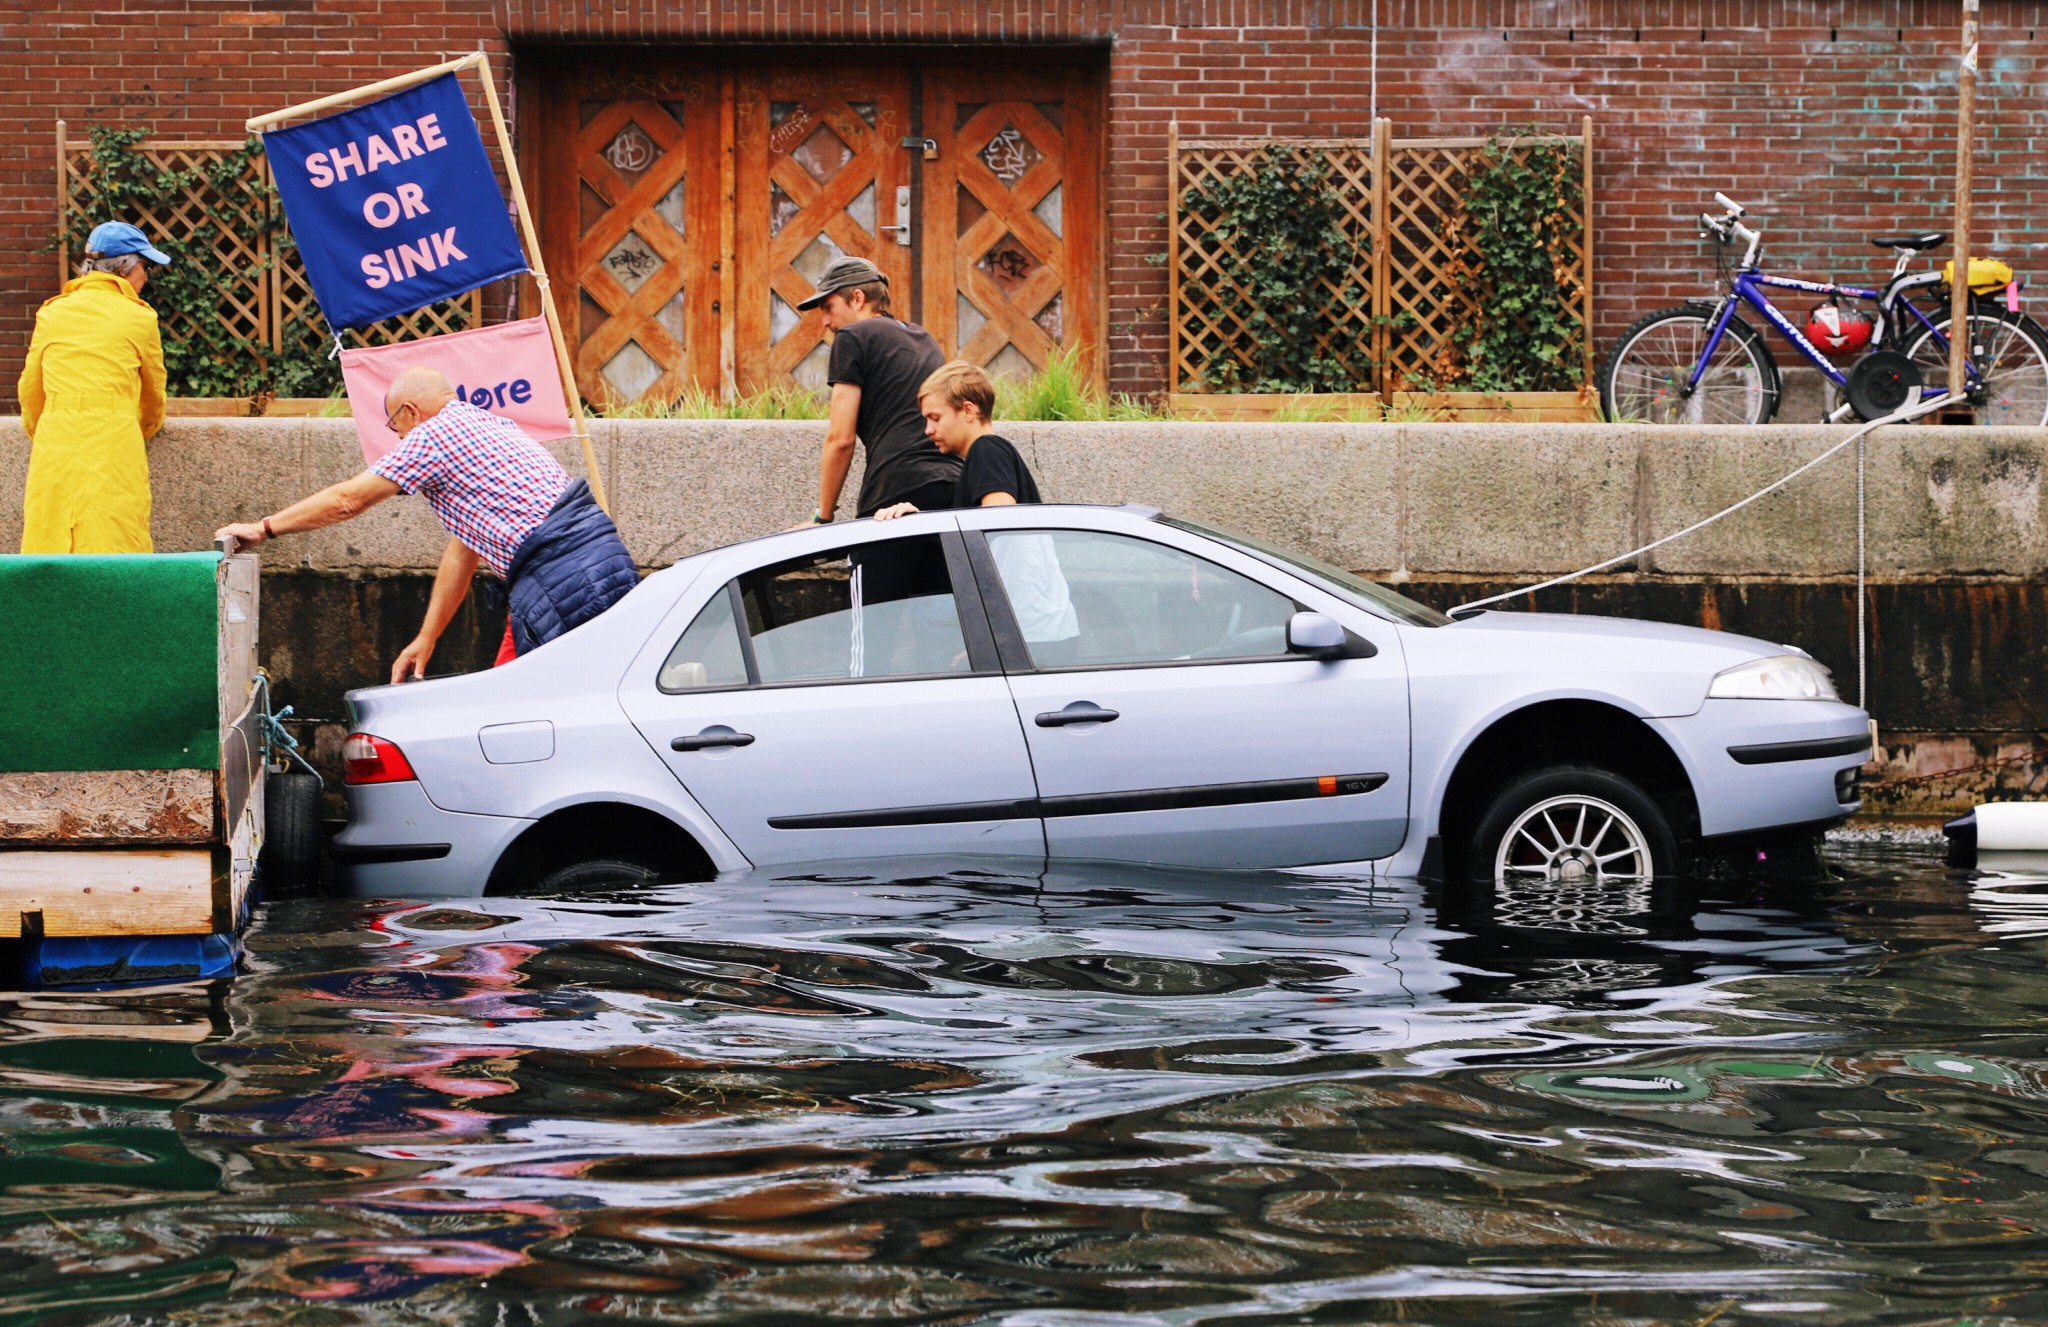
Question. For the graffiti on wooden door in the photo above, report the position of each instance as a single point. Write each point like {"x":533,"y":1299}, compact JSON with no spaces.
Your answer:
{"x":820,"y":165}
{"x":1011,"y":249}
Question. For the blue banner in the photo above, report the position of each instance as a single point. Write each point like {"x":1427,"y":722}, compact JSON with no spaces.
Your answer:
{"x":393,"y":204}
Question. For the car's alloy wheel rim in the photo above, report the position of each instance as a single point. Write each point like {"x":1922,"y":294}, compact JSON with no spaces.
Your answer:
{"x":1574,"y":839}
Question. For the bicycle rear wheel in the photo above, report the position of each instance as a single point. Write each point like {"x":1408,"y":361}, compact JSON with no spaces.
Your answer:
{"x":1644,"y":380}
{"x":2011,"y":359}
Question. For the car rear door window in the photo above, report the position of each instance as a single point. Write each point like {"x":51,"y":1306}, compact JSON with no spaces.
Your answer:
{"x":877,"y":610}
{"x":1088,"y":600}
{"x":709,"y":656}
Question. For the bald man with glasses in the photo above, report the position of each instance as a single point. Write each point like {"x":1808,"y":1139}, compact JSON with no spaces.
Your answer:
{"x":505,"y":502}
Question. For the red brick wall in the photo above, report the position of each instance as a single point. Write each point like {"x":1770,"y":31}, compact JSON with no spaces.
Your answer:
{"x":1831,"y":118}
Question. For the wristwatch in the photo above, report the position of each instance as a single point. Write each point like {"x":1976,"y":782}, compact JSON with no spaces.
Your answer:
{"x":268,"y":533}
{"x":818,"y":517}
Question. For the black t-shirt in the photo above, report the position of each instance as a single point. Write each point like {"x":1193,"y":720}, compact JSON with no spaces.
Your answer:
{"x":993,"y":466}
{"x":889,"y":360}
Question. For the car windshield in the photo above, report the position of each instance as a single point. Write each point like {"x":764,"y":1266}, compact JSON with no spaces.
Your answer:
{"x":1352,"y":589}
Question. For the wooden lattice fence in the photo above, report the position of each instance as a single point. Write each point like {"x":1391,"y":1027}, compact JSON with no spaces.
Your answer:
{"x":264,"y":303}
{"x":1412,"y":255}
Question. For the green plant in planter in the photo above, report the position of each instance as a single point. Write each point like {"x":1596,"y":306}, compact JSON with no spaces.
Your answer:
{"x":202,"y":355}
{"x":1521,"y":206}
{"x":1277,"y":231}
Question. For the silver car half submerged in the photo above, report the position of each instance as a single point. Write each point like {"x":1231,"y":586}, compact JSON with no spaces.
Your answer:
{"x":1089,"y":683}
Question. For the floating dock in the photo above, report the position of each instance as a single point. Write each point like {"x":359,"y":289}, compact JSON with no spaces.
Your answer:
{"x":131,"y":756}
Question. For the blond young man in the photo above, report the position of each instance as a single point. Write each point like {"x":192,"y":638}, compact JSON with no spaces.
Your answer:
{"x":958,"y":403}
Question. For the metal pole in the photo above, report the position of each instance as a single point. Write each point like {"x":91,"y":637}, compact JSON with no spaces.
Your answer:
{"x":1959,"y":297}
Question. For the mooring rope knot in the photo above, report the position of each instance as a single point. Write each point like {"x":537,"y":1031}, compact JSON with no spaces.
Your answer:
{"x":275,"y":736}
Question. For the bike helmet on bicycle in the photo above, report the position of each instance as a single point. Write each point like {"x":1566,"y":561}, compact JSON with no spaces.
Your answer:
{"x":1838,"y":331}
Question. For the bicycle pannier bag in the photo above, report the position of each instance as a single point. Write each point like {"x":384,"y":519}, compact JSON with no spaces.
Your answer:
{"x":1986,"y":274}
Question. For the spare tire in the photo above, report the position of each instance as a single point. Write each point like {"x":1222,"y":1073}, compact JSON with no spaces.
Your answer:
{"x":290,"y":862}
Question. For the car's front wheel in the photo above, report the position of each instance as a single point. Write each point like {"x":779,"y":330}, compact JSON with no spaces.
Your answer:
{"x":1572,"y":825}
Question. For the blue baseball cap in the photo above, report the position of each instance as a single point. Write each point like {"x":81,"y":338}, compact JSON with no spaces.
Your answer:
{"x":110,"y":239}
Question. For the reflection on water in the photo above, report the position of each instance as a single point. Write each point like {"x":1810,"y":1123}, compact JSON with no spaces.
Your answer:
{"x":1055,"y":1099}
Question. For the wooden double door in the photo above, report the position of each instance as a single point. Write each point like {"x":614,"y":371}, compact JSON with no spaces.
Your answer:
{"x":687,"y":207}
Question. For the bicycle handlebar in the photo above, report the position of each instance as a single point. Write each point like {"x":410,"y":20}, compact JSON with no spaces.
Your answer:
{"x":1728,"y":228}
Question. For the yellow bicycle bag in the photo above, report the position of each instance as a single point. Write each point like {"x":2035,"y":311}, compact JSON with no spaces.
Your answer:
{"x":1986,"y":274}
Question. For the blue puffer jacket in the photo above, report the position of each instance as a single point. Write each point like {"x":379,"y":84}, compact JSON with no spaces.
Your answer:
{"x":571,"y":568}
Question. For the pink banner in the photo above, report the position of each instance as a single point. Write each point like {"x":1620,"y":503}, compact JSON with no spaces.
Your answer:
{"x":508,"y":370}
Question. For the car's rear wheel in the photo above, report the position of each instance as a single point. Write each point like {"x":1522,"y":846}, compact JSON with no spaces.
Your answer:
{"x":600,"y":873}
{"x":1574,"y":826}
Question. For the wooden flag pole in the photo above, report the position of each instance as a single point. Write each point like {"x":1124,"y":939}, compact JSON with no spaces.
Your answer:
{"x":256,"y":124}
{"x":540,"y":276}
{"x":528,"y":237}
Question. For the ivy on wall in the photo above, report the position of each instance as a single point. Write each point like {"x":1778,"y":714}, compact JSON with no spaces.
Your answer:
{"x":226,"y":216}
{"x":1277,"y":229}
{"x":1521,"y":205}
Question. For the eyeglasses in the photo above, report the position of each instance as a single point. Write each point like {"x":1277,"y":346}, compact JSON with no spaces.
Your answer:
{"x":391,"y":420}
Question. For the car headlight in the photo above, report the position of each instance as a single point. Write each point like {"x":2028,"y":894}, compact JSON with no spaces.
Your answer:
{"x":1780,"y":677}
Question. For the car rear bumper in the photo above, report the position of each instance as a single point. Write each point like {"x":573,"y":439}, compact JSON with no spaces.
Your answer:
{"x":1770,"y":764}
{"x":398,"y":844}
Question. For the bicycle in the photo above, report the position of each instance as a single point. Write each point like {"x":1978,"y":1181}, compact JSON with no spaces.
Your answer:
{"x":1699,"y":363}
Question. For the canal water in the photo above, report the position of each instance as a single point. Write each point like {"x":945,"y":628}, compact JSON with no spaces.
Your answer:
{"x":1076,"y":1097}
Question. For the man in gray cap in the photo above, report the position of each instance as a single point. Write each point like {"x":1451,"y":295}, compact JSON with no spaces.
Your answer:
{"x":878,"y":363}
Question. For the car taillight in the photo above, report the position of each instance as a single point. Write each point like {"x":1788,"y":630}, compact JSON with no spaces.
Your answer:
{"x":367,"y":759}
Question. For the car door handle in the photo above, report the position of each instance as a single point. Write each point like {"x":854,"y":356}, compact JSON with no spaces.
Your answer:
{"x":706,"y":741}
{"x":1081,"y":711}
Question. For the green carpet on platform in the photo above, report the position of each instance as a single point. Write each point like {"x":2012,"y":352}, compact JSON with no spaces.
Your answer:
{"x":109,"y":662}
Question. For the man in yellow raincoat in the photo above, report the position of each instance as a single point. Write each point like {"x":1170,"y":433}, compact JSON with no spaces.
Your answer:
{"x":92,"y":390}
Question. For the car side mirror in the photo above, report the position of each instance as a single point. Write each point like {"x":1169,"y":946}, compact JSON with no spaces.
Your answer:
{"x":1319,"y":636}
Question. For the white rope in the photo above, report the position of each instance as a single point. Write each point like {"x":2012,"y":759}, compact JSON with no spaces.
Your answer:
{"x":1910,"y":411}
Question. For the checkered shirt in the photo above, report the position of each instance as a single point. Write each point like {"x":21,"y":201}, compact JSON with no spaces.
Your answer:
{"x":490,"y":484}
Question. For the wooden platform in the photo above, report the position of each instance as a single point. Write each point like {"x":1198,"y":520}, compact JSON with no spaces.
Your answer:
{"x":146,"y":851}
{"x":108,"y":891}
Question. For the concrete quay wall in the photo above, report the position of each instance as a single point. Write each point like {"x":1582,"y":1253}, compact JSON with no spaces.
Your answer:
{"x":1957,"y":535}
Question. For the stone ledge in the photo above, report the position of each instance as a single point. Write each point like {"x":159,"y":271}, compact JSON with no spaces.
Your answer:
{"x":1430,"y":499}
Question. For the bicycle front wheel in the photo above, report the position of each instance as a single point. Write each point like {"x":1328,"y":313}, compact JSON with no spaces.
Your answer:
{"x":2011,"y":361}
{"x":1650,"y":365}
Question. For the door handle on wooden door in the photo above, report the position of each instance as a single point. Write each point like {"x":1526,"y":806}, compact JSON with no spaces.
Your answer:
{"x":902,"y":226}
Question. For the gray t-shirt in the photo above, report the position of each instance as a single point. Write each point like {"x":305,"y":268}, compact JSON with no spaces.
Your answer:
{"x":889,"y":360}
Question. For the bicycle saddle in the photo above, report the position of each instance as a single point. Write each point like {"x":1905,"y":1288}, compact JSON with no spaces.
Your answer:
{"x":1919,"y":243}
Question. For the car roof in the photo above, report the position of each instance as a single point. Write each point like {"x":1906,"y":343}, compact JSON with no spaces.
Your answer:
{"x":1137,"y":510}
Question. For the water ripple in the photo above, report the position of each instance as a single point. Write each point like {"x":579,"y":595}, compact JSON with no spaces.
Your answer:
{"x":1073,"y":1097}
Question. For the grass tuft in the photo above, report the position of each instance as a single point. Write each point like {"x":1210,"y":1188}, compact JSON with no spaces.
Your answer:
{"x":1061,"y":391}
{"x":787,"y":402}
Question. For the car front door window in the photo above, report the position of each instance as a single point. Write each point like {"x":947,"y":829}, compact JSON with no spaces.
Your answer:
{"x":1172,"y":724}
{"x":1131,"y":602}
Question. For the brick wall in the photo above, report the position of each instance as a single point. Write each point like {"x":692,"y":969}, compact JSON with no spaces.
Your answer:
{"x":1831,"y":118}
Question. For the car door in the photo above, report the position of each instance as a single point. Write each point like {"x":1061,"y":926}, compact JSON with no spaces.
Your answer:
{"x":1167,"y":719}
{"x":847,"y":703}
